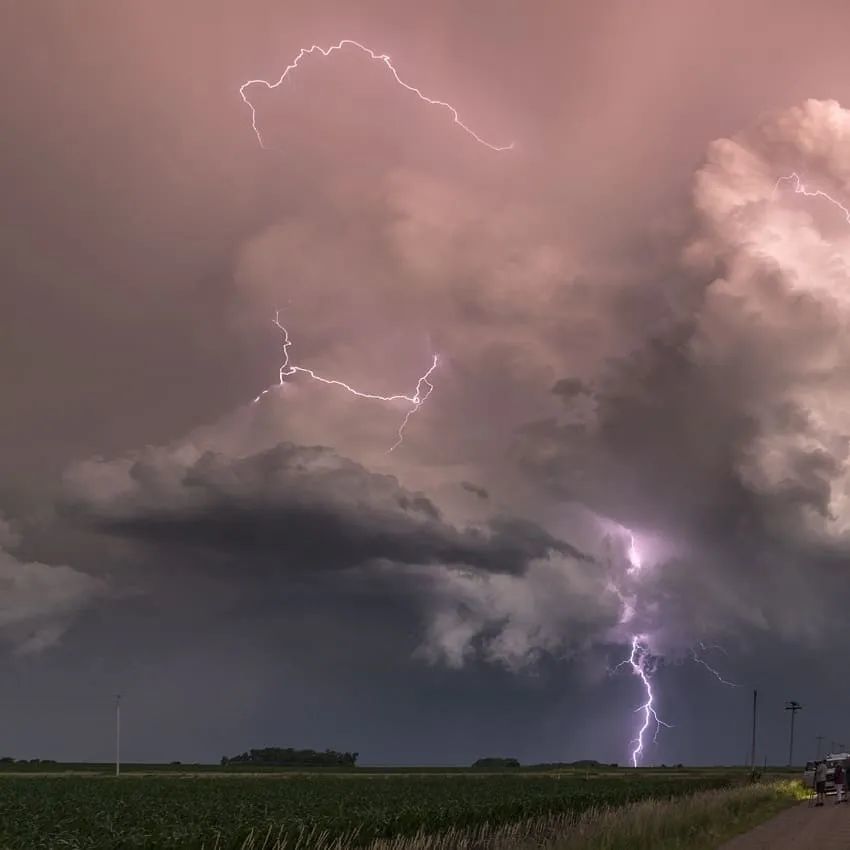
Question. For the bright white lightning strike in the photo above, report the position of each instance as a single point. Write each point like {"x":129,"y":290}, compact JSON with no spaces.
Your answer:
{"x":800,"y":189}
{"x":637,"y":660}
{"x":378,"y":57}
{"x":424,"y":387}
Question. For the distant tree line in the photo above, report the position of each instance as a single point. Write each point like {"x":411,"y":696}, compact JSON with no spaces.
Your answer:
{"x":10,"y":760}
{"x":503,"y":762}
{"x":288,"y":757}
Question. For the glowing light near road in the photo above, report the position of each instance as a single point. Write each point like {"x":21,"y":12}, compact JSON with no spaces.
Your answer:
{"x":424,"y":387}
{"x":800,"y":189}
{"x":377,"y":57}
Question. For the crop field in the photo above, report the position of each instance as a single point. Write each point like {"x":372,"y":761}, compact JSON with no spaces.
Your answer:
{"x":195,"y":811}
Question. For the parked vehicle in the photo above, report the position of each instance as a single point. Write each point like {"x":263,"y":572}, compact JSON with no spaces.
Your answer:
{"x":831,"y":760}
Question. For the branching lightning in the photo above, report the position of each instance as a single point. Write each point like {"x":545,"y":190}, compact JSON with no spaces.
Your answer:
{"x":378,"y":57}
{"x":424,"y":387}
{"x":800,"y":189}
{"x":639,"y":660}
{"x":699,"y":660}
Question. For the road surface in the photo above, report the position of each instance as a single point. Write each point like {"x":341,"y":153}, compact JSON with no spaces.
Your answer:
{"x":798,"y":828}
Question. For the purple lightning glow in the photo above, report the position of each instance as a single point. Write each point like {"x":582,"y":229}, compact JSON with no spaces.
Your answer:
{"x":424,"y":387}
{"x":800,"y":189}
{"x":378,"y":57}
{"x":633,"y":555}
{"x":639,"y":659}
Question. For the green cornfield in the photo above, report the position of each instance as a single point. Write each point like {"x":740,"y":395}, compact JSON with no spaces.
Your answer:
{"x":96,"y":813}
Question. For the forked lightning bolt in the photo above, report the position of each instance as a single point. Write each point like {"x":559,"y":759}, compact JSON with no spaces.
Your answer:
{"x":637,"y":660}
{"x":424,"y":387}
{"x":378,"y":57}
{"x":800,"y":189}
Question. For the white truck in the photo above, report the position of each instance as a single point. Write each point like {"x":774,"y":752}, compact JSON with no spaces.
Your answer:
{"x":831,"y":760}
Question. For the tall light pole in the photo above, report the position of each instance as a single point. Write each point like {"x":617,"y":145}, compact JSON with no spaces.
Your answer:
{"x":117,"y":734}
{"x":753,"y":748}
{"x":793,"y":706}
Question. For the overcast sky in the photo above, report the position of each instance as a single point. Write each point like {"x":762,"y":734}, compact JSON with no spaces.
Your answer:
{"x":640,"y":421}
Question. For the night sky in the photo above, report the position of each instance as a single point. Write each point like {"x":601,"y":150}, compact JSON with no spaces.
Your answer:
{"x":640,"y":421}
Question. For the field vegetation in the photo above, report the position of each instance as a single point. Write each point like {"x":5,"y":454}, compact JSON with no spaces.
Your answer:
{"x":321,"y":810}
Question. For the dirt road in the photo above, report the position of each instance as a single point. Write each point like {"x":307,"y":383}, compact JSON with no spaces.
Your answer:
{"x":798,"y":828}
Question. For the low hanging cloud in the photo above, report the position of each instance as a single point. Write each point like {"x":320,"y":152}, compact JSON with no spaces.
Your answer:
{"x":558,"y":605}
{"x":38,"y":602}
{"x":304,"y":507}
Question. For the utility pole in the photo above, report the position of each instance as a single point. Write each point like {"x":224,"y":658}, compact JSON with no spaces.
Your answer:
{"x":753,"y":748}
{"x":819,"y":738}
{"x":793,"y":706}
{"x":117,"y":734}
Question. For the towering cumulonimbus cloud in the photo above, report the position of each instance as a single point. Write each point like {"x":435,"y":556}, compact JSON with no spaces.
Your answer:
{"x":775,"y":319}
{"x":564,"y":430}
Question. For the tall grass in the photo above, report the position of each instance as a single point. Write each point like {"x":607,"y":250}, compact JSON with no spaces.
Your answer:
{"x":697,"y":822}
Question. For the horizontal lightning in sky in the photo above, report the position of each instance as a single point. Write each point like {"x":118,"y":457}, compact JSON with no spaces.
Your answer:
{"x":800,"y":189}
{"x":424,"y":387}
{"x":378,"y":57}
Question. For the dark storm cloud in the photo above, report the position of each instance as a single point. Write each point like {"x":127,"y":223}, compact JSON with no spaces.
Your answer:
{"x":147,"y":240}
{"x":306,"y":508}
{"x":475,"y":490}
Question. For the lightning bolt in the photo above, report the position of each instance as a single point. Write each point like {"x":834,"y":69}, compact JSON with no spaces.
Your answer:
{"x":377,"y":57}
{"x":800,"y":189}
{"x":637,"y":660}
{"x":699,"y":660}
{"x":424,"y":387}
{"x":633,"y":555}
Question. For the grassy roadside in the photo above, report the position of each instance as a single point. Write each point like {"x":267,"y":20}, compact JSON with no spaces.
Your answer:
{"x":701,"y":821}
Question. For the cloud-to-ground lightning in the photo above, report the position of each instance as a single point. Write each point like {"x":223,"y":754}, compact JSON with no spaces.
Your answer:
{"x":800,"y":189}
{"x":377,"y":57}
{"x":641,"y":661}
{"x":638,"y":660}
{"x":424,"y":387}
